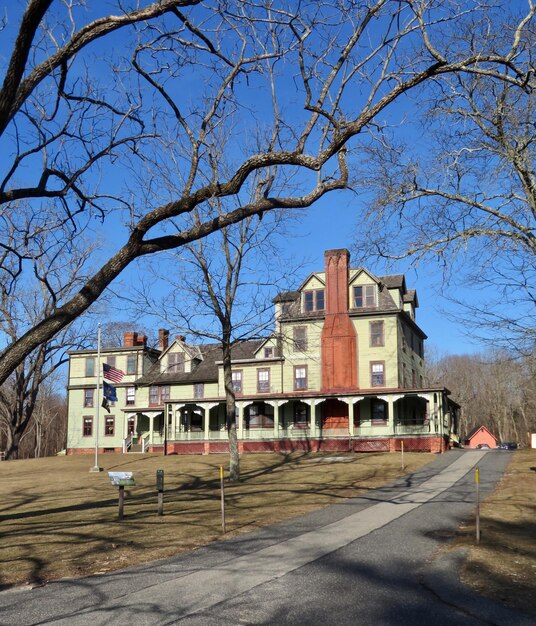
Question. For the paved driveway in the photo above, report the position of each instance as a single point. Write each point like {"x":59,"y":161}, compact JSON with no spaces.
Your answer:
{"x":366,"y":561}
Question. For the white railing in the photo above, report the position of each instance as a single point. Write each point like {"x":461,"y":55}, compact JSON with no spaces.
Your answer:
{"x":410,"y":429}
{"x":127,"y":443}
{"x":145,"y":443}
{"x":218,"y":435}
{"x":259,"y":433}
{"x":189,"y":436}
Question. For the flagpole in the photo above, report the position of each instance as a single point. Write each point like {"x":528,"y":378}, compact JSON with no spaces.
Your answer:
{"x":96,"y":467}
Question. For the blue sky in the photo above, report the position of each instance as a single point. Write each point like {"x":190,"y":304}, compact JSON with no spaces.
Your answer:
{"x":331,"y":223}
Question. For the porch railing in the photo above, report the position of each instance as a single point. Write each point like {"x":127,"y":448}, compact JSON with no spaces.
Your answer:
{"x":127,"y":443}
{"x":145,"y":443}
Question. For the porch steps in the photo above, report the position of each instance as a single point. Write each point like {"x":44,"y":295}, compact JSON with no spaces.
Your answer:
{"x":136,"y":447}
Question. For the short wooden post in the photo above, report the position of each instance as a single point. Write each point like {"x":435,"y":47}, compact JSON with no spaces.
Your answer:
{"x":160,"y":488}
{"x":121,"y":501}
{"x":477,"y":479}
{"x":222,"y":497}
{"x":402,"y":453}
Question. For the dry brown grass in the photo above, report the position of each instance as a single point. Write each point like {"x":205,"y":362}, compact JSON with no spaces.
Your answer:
{"x":59,"y":520}
{"x":503,"y":565}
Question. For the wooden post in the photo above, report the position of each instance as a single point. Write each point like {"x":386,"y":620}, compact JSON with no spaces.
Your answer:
{"x":402,"y":453}
{"x":121,"y":501}
{"x":222,"y":500}
{"x":160,"y":488}
{"x":477,"y":479}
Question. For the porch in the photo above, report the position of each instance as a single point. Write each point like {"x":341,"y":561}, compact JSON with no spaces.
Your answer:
{"x":303,"y":419}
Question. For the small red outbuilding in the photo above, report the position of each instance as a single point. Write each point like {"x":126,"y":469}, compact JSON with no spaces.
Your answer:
{"x":480,"y":435}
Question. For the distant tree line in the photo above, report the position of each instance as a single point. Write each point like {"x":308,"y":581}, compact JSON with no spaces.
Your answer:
{"x":495,"y":389}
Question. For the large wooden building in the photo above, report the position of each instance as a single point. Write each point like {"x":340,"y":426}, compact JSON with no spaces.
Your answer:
{"x":342,"y":371}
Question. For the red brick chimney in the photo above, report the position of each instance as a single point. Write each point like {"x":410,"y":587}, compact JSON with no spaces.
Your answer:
{"x":163,"y":339}
{"x":339,"y":339}
{"x":130,"y":339}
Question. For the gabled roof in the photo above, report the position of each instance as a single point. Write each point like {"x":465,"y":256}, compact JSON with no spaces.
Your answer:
{"x":207,"y":370}
{"x":394,"y":281}
{"x":190,"y":350}
{"x":312,"y":275}
{"x":476,"y":429}
{"x":354,"y":273}
{"x":411,"y":297}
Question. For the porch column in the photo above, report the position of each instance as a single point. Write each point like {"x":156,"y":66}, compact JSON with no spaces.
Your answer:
{"x":151,"y":428}
{"x":351,"y":402}
{"x":178,"y":413}
{"x":275,"y":405}
{"x":240,"y":416}
{"x":206,"y":420}
{"x":313,"y":427}
{"x":390,"y":411}
{"x":351,"y":417}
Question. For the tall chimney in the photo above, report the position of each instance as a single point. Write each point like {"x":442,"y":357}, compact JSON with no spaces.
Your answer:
{"x":130,"y":339}
{"x":339,"y":339}
{"x":163,"y":339}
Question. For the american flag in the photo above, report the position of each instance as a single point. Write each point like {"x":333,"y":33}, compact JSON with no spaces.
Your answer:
{"x":112,"y":373}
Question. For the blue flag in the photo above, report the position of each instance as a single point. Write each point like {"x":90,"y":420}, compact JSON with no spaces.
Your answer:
{"x":109,"y":392}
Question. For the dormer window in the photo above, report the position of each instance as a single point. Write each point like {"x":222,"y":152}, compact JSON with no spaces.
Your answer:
{"x":176,"y":362}
{"x":365,"y":296}
{"x":313,"y":300}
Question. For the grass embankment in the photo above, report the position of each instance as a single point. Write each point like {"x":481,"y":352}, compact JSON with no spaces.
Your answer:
{"x":503,"y":565}
{"x":59,"y":520}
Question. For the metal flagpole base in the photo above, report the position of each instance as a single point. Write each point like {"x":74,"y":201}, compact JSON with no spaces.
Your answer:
{"x":95,"y":468}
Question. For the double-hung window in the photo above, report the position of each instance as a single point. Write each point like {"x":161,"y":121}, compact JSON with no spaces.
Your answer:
{"x":199,"y":390}
{"x":377,"y":374}
{"x":87,"y":426}
{"x":158,"y":395}
{"x":176,"y":362}
{"x":301,"y":415}
{"x":378,"y":412}
{"x":313,"y":300}
{"x":131,"y":396}
{"x":109,"y":425}
{"x":132,"y":361}
{"x":236,"y":376}
{"x":88,"y":397}
{"x":365,"y":296}
{"x":90,"y":366}
{"x":300,"y":377}
{"x":263,"y":380}
{"x":299,"y":336}
{"x":376,"y":334}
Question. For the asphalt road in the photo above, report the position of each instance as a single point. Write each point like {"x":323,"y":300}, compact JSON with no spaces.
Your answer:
{"x":367,"y":561}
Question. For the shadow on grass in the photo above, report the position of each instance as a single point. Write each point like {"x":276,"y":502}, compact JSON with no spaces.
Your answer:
{"x":194,"y":496}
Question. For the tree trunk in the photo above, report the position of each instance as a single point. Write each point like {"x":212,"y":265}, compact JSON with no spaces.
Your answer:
{"x":13,"y":443}
{"x":230,"y":410}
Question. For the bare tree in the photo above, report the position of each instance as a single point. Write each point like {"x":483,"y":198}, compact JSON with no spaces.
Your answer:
{"x":494,"y":389}
{"x":57,"y":271}
{"x":291,"y":87}
{"x":219,"y":293}
{"x":466,"y":199}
